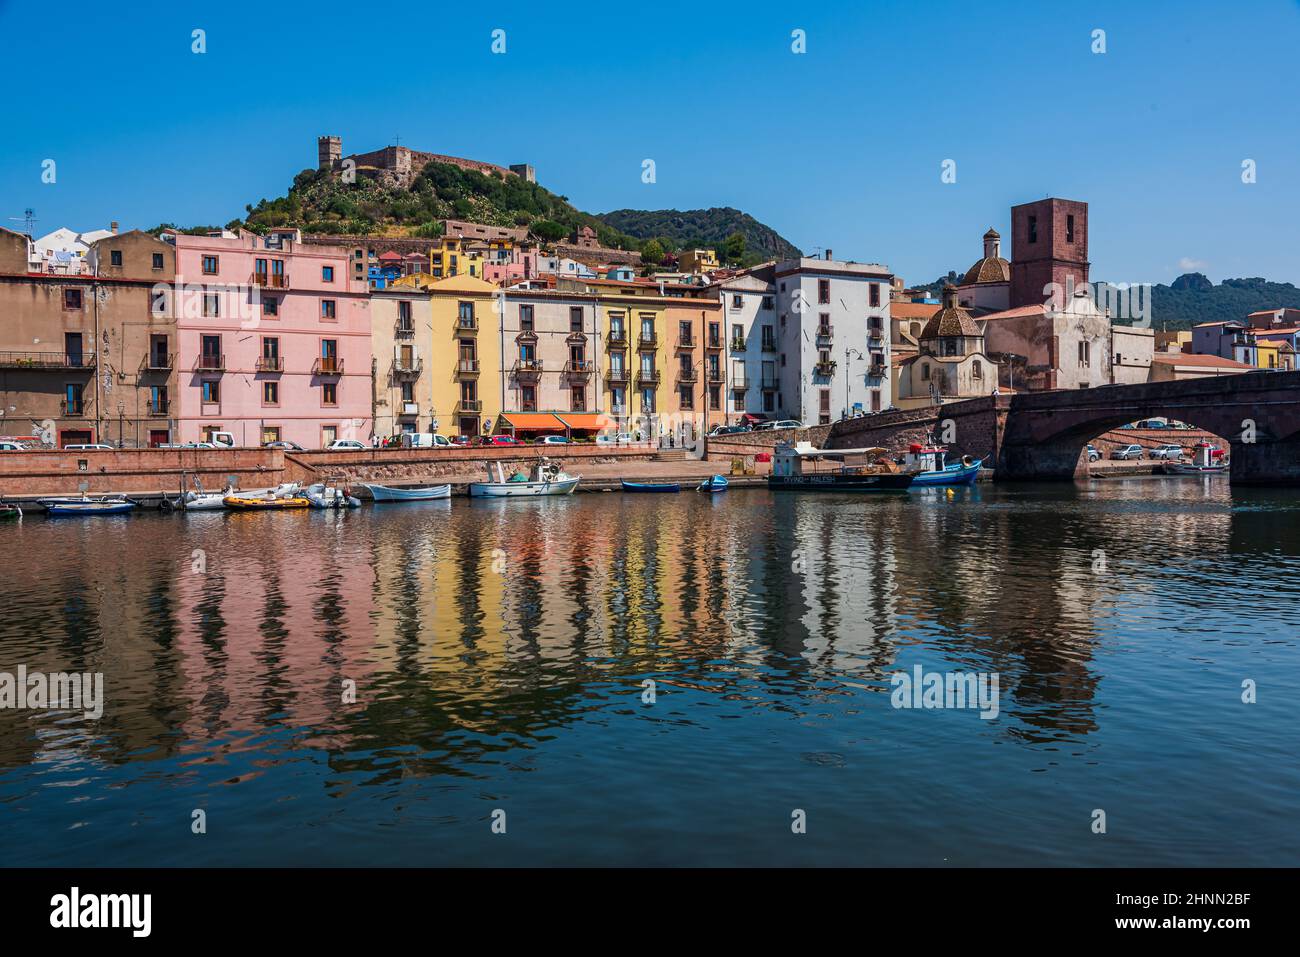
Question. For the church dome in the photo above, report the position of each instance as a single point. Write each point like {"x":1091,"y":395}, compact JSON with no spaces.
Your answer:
{"x":951,"y":321}
{"x":992,"y":268}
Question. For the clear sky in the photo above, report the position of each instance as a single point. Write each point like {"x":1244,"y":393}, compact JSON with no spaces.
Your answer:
{"x":837,"y":147}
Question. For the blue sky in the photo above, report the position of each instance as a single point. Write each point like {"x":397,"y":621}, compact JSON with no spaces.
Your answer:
{"x":839,"y":147}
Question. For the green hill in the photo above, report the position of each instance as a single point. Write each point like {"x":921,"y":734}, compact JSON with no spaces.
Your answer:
{"x":703,"y":228}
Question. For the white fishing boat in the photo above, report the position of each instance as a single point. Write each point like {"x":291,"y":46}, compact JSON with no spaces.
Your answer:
{"x":329,"y":495}
{"x":201,"y":501}
{"x":412,"y":493}
{"x":1206,"y":460}
{"x":544,"y":478}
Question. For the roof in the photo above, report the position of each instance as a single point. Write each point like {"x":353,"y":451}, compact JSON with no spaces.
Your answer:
{"x":952,"y":320}
{"x":988,"y":269}
{"x":912,"y":310}
{"x":1196,"y":359}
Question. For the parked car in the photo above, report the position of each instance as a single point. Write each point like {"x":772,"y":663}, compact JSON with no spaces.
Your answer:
{"x":778,"y":424}
{"x":346,"y":445}
{"x":1167,"y":451}
{"x":460,"y":440}
{"x":89,"y":447}
{"x":615,"y":438}
{"x":1093,"y":454}
{"x":730,"y":429}
{"x":288,"y":446}
{"x":550,"y":440}
{"x":494,"y":440}
{"x":1127,"y":452}
{"x":424,"y":440}
{"x":10,"y":447}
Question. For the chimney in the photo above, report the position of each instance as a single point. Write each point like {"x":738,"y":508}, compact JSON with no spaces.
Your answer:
{"x":829,"y":257}
{"x":113,"y":227}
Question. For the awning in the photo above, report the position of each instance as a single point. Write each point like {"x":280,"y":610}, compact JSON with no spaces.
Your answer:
{"x":530,"y":421}
{"x":753,"y":419}
{"x":586,"y":421}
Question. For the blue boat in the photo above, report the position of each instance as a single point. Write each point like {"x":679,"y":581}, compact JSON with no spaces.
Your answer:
{"x":651,"y":486}
{"x":716,"y":483}
{"x":85,"y":505}
{"x":932,"y":470}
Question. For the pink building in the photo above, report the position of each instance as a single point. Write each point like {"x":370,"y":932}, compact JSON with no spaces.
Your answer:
{"x":273,"y":340}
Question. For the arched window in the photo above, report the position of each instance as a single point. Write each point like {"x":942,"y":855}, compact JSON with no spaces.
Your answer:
{"x":976,"y":370}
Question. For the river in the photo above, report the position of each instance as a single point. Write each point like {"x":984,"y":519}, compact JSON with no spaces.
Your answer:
{"x":613,"y":679}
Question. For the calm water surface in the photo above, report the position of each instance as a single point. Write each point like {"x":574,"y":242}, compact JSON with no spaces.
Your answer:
{"x":499,"y":651}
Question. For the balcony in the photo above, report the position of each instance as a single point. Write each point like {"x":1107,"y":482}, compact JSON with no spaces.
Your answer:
{"x":157,"y":362}
{"x":825,"y":332}
{"x":687,"y":376}
{"x":466,"y":367}
{"x":618,"y":375}
{"x":408,"y":368}
{"x":824,"y":368}
{"x":714,"y":342}
{"x":158,"y":406}
{"x":404,"y":330}
{"x":875,"y":332}
{"x":647,"y":377}
{"x":618,"y":338}
{"x":878,"y":370}
{"x":465,"y":326}
{"x":579,"y":367}
{"x":686,"y":342}
{"x":47,"y":360}
{"x":266,"y":280}
{"x":72,"y":408}
{"x":647,"y":340}
{"x":737,"y":343}
{"x":470,"y":405}
{"x":269,"y":364}
{"x":740,"y":385}
{"x":527,"y":368}
{"x":210,"y":362}
{"x":715,"y":376}
{"x":327,"y":365}
{"x":769,"y":385}
{"x":769,"y":345}
{"x":410,"y":408}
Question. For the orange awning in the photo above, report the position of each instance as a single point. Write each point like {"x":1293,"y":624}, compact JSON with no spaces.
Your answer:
{"x":530,"y":421}
{"x":586,"y":421}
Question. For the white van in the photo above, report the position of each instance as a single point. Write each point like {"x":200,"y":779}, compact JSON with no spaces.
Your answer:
{"x":425,"y":440}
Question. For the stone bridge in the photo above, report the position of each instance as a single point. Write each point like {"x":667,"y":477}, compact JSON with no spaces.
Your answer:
{"x":1042,"y":435}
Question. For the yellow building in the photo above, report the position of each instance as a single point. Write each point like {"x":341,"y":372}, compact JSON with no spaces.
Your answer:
{"x":462,"y":366}
{"x":697,"y":260}
{"x":456,"y":256}
{"x":1267,"y":354}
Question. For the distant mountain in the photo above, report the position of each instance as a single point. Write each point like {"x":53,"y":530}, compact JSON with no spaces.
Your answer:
{"x":1192,"y":299}
{"x":702,"y":228}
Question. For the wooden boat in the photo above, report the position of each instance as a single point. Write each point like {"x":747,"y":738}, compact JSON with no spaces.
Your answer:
{"x":414,"y":493}
{"x":87,"y":505}
{"x":265,"y":503}
{"x":545,"y":478}
{"x":1206,"y":460}
{"x":651,"y":486}
{"x":932,"y":469}
{"x":794,"y":468}
{"x":9,"y":513}
{"x":715,"y":483}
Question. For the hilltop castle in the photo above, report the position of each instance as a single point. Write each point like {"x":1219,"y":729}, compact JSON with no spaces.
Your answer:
{"x":398,"y":166}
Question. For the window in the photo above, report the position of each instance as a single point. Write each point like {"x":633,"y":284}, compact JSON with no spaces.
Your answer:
{"x":875,"y":294}
{"x":738,"y":301}
{"x":72,"y":299}
{"x":769,"y":338}
{"x":976,"y":370}
{"x":1069,"y":228}
{"x":157,"y":260}
{"x":575,"y":319}
{"x":767,"y":300}
{"x":685,"y":398}
{"x":270,"y":392}
{"x":210,"y":265}
{"x":526,"y":319}
{"x":528,"y":398}
{"x":715,"y":398}
{"x":823,"y":290}
{"x":211,"y":352}
{"x":617,"y":400}
{"x":408,"y":391}
{"x":647,"y":400}
{"x":1033,"y":229}
{"x":271,"y":308}
{"x":715,"y":335}
{"x":578,"y":399}
{"x":329,"y":393}
{"x":465,"y":314}
{"x":211,"y":390}
{"x":158,"y":400}
{"x":73,"y":398}
{"x":270,"y":433}
{"x":211,"y":305}
{"x":328,"y":310}
{"x":1084,"y":356}
{"x":159,"y":307}
{"x":115,"y":257}
{"x":925,"y":372}
{"x":326,"y":273}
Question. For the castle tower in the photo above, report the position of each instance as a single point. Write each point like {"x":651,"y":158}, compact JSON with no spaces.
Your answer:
{"x":329,"y":151}
{"x":1049,"y":244}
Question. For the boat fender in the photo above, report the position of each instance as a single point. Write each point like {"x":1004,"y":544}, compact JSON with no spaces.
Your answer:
{"x":967,"y":461}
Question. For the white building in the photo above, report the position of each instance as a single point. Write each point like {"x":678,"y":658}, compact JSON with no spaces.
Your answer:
{"x":749,"y":306}
{"x":832,"y":356}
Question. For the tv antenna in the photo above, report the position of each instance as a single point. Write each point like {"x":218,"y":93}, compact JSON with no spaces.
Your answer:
{"x":28,"y":219}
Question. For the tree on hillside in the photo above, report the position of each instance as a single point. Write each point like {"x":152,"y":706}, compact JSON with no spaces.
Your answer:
{"x":652,"y":252}
{"x":548,"y":230}
{"x":733,"y":249}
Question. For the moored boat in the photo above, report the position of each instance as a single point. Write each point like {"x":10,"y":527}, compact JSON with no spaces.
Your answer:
{"x":795,"y":468}
{"x":714,"y":483}
{"x":201,"y":501}
{"x":86,"y":505}
{"x":413,"y":493}
{"x":328,"y":495}
{"x":650,"y":486}
{"x":9,"y":512}
{"x":544,"y":478}
{"x":265,"y":503}
{"x":1206,"y":460}
{"x":932,"y":469}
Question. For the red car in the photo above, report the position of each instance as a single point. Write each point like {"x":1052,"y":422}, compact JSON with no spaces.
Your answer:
{"x":494,"y":440}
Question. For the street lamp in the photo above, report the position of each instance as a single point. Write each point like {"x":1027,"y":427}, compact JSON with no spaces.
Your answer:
{"x":847,"y":352}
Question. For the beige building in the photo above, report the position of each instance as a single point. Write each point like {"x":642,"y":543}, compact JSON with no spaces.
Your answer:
{"x":950,"y":363}
{"x":1177,"y":366}
{"x":401,"y":341}
{"x":1132,"y":349}
{"x":1039,"y":347}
